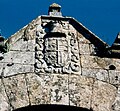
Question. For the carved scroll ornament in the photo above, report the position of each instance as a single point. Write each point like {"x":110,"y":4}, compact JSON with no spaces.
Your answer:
{"x":56,"y":52}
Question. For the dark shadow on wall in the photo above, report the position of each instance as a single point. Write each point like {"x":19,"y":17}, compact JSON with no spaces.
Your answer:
{"x":52,"y":108}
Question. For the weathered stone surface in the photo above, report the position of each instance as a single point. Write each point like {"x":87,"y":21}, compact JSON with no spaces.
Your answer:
{"x":59,"y":89}
{"x":23,"y":45}
{"x":103,"y":96}
{"x":16,"y":90}
{"x":112,"y":61}
{"x":49,"y":61}
{"x":82,"y":39}
{"x":72,"y":29}
{"x":84,"y":48}
{"x":109,"y":62}
{"x":29,"y":32}
{"x":116,"y":63}
{"x":1,"y":69}
{"x":31,"y":45}
{"x":95,"y":62}
{"x":93,"y":49}
{"x":99,"y":74}
{"x":48,"y":89}
{"x":19,"y":45}
{"x":80,"y":91}
{"x":4,"y":103}
{"x":38,"y":88}
{"x":116,"y":103}
{"x":13,"y":69}
{"x":84,"y":92}
{"x":114,"y":77}
{"x":90,"y":62}
{"x":19,"y":57}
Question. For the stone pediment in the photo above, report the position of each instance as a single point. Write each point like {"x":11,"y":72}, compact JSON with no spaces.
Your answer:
{"x":55,"y":44}
{"x":63,"y":25}
{"x":57,"y":60}
{"x":51,"y":45}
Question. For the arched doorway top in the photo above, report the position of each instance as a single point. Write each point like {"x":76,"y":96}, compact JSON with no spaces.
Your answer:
{"x":52,"y":108}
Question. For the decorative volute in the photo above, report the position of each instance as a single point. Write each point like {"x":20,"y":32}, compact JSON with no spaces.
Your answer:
{"x":54,"y":10}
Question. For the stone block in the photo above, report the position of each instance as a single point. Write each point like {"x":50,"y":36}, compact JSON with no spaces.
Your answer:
{"x":82,"y":39}
{"x":91,"y":61}
{"x":84,"y":49}
{"x":13,"y":69}
{"x":99,"y":74}
{"x":80,"y":91}
{"x":116,"y":63}
{"x":96,"y":62}
{"x":16,"y":90}
{"x":28,"y":58}
{"x":48,"y":89}
{"x":109,"y":62}
{"x":19,"y":57}
{"x":102,"y":75}
{"x":28,"y":68}
{"x":19,"y":45}
{"x":93,"y":49}
{"x":59,"y":89}
{"x":116,"y":103}
{"x":112,"y":61}
{"x":31,"y":45}
{"x":103,"y":96}
{"x":114,"y":77}
{"x":4,"y":103}
{"x":72,"y":29}
{"x":39,"y":88}
{"x":22,"y":45}
{"x":1,"y":69}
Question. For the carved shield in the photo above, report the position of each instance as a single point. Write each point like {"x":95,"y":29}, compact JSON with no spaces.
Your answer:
{"x":56,"y":51}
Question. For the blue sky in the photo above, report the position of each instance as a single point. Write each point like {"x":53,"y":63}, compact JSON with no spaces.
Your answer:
{"x":102,"y":17}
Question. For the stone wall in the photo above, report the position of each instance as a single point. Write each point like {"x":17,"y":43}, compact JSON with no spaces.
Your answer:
{"x":75,"y":90}
{"x":54,"y":61}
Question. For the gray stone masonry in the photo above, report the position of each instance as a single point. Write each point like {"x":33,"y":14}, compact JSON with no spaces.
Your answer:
{"x":56,"y":60}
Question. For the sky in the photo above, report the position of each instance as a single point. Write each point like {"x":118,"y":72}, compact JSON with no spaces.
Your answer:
{"x":102,"y":17}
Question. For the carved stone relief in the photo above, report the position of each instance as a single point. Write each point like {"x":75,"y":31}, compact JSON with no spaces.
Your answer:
{"x":56,"y":51}
{"x":29,"y":32}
